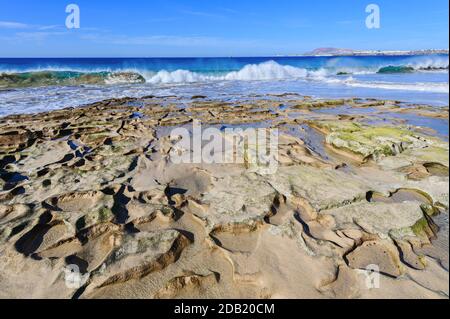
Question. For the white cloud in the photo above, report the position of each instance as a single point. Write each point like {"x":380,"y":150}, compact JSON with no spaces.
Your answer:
{"x":36,"y":36}
{"x":168,"y":40}
{"x":18,"y":25}
{"x":49,"y":27}
{"x":202,"y":14}
{"x":165,"y":40}
{"x":13,"y":25}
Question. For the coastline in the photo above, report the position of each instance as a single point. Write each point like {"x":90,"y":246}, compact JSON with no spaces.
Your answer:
{"x":358,"y":182}
{"x":356,"y":53}
{"x":36,"y":85}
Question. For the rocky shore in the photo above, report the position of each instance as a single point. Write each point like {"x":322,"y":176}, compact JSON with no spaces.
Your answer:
{"x":361,"y":185}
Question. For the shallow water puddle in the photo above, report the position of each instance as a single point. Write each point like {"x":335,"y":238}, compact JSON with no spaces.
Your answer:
{"x":347,"y":110}
{"x":400,"y":196}
{"x":436,"y":124}
{"x":313,"y":139}
{"x":439,"y":125}
{"x":436,"y":169}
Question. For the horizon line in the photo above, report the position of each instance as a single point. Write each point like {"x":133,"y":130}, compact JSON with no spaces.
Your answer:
{"x":215,"y":56}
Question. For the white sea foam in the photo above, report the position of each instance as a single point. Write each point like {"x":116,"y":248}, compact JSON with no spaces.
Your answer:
{"x":422,"y":87}
{"x":123,"y":78}
{"x":179,"y":76}
{"x":419,"y":86}
{"x":266,"y":71}
{"x":272,"y":71}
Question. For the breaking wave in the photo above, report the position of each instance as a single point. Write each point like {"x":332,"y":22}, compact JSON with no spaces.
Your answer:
{"x":396,"y":69}
{"x":65,"y":78}
{"x":269,"y":70}
{"x":266,"y":71}
{"x":253,"y":72}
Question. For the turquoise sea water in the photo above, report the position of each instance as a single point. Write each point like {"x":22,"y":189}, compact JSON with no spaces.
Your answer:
{"x":33,"y":85}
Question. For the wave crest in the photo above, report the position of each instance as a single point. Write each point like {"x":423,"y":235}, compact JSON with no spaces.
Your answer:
{"x":51,"y":78}
{"x":266,"y":71}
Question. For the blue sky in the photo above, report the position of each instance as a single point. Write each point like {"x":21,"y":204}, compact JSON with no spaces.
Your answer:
{"x":30,"y":28}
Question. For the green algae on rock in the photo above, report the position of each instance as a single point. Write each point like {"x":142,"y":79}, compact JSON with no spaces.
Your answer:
{"x":376,"y":142}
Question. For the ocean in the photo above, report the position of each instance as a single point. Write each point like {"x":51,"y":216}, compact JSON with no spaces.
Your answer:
{"x":43,"y":84}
